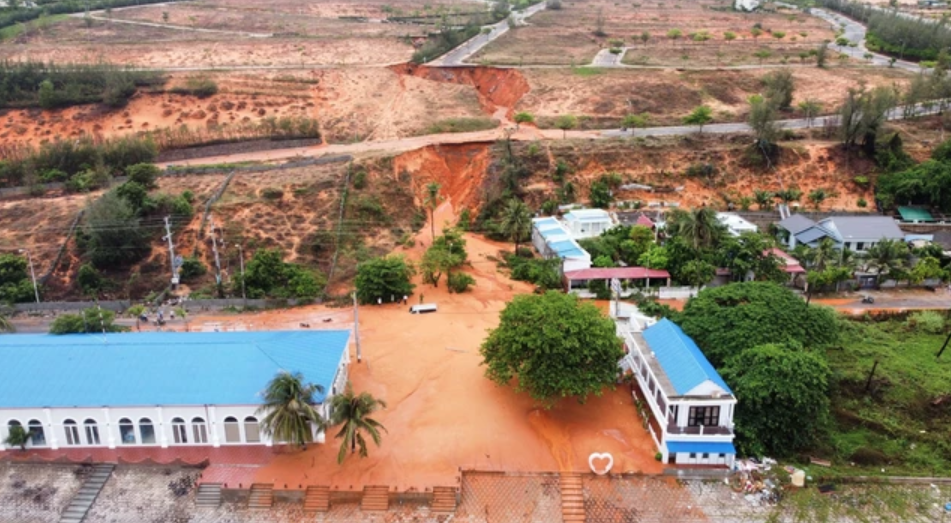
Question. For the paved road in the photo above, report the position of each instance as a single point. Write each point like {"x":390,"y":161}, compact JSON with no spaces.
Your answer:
{"x":458,"y":56}
{"x":855,"y":32}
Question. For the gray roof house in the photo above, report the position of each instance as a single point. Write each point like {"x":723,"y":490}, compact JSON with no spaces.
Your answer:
{"x":856,"y":233}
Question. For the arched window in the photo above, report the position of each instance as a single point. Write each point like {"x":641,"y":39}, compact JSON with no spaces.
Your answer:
{"x":72,"y":432}
{"x":146,"y":431}
{"x":179,"y":432}
{"x":92,"y":432}
{"x":252,"y":432}
{"x":232,"y":430}
{"x":199,"y":431}
{"x":12,"y":423}
{"x":37,"y":436}
{"x":126,"y":431}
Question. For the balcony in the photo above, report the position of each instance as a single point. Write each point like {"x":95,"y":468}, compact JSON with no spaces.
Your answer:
{"x":709,"y":430}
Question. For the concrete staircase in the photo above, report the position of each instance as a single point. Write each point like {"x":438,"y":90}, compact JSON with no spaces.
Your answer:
{"x":81,"y":503}
{"x":317,"y":499}
{"x":444,"y":500}
{"x":209,"y":495}
{"x":572,"y":497}
{"x":375,"y":498}
{"x":262,"y":496}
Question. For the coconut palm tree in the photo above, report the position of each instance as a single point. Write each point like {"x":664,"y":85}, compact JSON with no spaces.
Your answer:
{"x":699,"y":227}
{"x":353,"y":411}
{"x":5,"y":324}
{"x":432,"y":201}
{"x":289,"y":409}
{"x":18,"y":437}
{"x":887,"y":257}
{"x":516,"y":221}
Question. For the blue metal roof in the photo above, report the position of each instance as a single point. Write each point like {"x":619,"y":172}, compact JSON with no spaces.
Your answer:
{"x":549,"y":231}
{"x":566,"y":248}
{"x":682,"y":361}
{"x":160,"y":368}
{"x":541,"y":222}
{"x":699,"y":447}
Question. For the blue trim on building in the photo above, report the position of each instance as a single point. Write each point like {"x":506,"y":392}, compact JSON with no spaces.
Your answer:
{"x":699,"y":447}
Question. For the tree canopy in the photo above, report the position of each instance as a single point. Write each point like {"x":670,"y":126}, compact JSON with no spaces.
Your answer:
{"x":725,"y":321}
{"x":90,"y":320}
{"x":381,"y":278}
{"x":555,"y":346}
{"x":783,"y":398}
{"x":267,"y":275}
{"x":111,"y":234}
{"x":15,"y":283}
{"x":289,"y":409}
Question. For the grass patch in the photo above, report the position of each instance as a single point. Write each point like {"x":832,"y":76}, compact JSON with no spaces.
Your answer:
{"x":587,"y":71}
{"x":462,"y":125}
{"x":16,"y":30}
{"x":899,"y":422}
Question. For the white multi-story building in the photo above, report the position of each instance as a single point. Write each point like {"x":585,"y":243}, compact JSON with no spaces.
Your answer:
{"x":552,"y":239}
{"x":587,"y":223}
{"x":162,"y":389}
{"x":691,"y":407}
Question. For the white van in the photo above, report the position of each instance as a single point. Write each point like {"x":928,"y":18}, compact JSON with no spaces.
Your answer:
{"x":422,"y":308}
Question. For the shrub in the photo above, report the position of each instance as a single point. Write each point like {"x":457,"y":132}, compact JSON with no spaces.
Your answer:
{"x":360,"y":180}
{"x":862,"y":203}
{"x":861,"y":181}
{"x":931,"y":322}
{"x":144,"y":174}
{"x":460,"y":282}
{"x":271,"y":193}
{"x":192,"y":268}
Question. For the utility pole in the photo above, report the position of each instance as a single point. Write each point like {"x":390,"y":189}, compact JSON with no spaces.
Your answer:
{"x":29,"y":257}
{"x":244,"y":294}
{"x":356,"y":326}
{"x":214,"y":248}
{"x":171,"y":251}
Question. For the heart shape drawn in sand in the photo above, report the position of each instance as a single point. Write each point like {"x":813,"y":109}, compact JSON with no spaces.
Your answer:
{"x":602,"y":457}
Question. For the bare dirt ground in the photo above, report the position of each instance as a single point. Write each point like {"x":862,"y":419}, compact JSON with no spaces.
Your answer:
{"x":442,"y":413}
{"x":666,"y":96}
{"x":567,"y":36}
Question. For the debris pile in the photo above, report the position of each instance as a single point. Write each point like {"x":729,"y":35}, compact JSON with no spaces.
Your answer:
{"x":761,"y":482}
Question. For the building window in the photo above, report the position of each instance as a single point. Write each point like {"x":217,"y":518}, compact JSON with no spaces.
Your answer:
{"x":146,"y":431}
{"x":92,"y":432}
{"x":232,"y":430}
{"x":722,"y":455}
{"x":199,"y":431}
{"x":706,"y":455}
{"x":37,"y":435}
{"x":179,"y":432}
{"x":674,"y":410}
{"x":126,"y":431}
{"x":706,"y":416}
{"x":252,"y":432}
{"x":72,"y":432}
{"x":860,"y":246}
{"x":693,"y":455}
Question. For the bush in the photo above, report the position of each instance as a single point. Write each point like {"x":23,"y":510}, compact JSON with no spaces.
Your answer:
{"x":89,"y":320}
{"x":360,"y":180}
{"x":145,"y":174}
{"x":861,"y":181}
{"x":271,"y":193}
{"x":200,"y":86}
{"x":862,"y":203}
{"x":460,"y":282}
{"x":89,"y":279}
{"x":192,"y":268}
{"x":931,"y":322}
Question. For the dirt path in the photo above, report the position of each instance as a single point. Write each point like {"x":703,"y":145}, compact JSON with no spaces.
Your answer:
{"x":526,"y":133}
{"x":97,"y":16}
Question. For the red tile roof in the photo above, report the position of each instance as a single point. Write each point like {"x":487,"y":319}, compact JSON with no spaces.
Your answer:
{"x":621,"y":273}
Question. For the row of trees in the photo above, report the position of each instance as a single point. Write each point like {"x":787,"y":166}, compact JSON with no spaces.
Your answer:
{"x":896,"y":33}
{"x":51,"y":85}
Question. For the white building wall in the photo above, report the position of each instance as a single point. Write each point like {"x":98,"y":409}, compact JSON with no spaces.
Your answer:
{"x":107,"y":425}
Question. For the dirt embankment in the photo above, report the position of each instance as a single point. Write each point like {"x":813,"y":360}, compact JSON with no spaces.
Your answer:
{"x":497,"y":88}
{"x":459,"y":170}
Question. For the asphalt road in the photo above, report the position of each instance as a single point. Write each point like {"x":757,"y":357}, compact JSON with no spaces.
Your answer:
{"x":458,"y":56}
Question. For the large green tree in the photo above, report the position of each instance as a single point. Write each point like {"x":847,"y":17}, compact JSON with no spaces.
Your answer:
{"x":289,"y":409}
{"x":267,"y":275}
{"x":782,"y":398}
{"x":352,"y":411}
{"x":726,"y":320}
{"x":111,"y":233}
{"x":555,"y":346}
{"x":381,"y":278}
{"x":15,"y":283}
